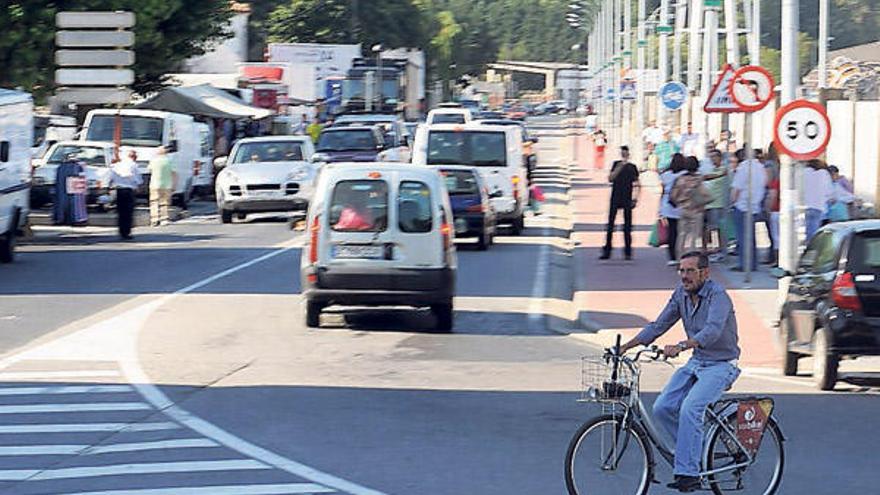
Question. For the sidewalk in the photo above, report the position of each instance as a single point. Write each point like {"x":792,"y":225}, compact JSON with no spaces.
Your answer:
{"x":619,"y":297}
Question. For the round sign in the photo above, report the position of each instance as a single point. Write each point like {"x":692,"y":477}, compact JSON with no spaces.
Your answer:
{"x":752,"y":88}
{"x":673,"y":95}
{"x":802,"y":129}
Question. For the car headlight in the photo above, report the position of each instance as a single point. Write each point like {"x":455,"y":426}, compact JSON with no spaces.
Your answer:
{"x":230,"y":177}
{"x":320,"y":157}
{"x":301,"y":174}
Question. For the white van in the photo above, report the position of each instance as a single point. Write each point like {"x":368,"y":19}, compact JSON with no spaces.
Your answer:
{"x":16,"y":138}
{"x":495,"y":150}
{"x":203,"y":173}
{"x":145,"y":131}
{"x":449,"y":116}
{"x":379,"y":234}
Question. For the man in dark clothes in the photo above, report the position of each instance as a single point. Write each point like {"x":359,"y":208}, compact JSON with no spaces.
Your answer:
{"x":624,"y":179}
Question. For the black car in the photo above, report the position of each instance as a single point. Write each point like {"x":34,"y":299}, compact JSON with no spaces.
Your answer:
{"x":832,"y":309}
{"x":469,"y":197}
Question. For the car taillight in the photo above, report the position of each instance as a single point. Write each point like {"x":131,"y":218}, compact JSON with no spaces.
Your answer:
{"x":480,"y":208}
{"x":515,"y":181}
{"x":197,"y":167}
{"x":446,"y":232}
{"x":314,"y":231}
{"x":844,"y":293}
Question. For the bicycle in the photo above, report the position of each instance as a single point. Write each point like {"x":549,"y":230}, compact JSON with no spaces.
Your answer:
{"x":742,"y":441}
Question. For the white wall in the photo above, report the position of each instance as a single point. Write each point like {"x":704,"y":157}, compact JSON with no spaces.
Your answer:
{"x":867,"y":149}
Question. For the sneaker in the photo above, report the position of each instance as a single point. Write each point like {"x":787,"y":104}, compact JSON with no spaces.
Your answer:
{"x":671,"y":263}
{"x":685,"y":484}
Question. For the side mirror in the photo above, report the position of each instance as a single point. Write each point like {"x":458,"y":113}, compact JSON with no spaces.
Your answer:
{"x":406,"y":140}
{"x":496,"y":194}
{"x":778,"y":272}
{"x":220,"y":162}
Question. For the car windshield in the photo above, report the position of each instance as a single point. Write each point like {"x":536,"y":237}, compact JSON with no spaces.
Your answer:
{"x":478,"y":149}
{"x":271,"y":151}
{"x":347,"y":140}
{"x":88,"y":155}
{"x":447,"y":118}
{"x":866,"y":252}
{"x":359,"y":206}
{"x":136,"y":131}
{"x":460,"y":182}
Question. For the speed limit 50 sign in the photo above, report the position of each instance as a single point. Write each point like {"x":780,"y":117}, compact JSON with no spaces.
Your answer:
{"x":802,"y":129}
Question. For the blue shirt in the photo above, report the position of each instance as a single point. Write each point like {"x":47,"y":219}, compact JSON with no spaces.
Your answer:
{"x":711,"y":322}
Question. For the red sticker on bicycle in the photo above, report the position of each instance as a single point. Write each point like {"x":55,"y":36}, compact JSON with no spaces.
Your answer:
{"x":751,"y":420}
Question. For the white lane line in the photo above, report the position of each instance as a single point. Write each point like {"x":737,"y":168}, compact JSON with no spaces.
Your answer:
{"x":277,"y":489}
{"x":78,"y":389}
{"x":129,"y":469}
{"x":186,"y":443}
{"x":539,"y":289}
{"x":17,"y":450}
{"x":88,"y":427}
{"x":38,"y":375}
{"x":73,"y":408}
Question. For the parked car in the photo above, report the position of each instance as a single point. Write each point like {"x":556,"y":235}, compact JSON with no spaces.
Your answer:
{"x":265,"y":174}
{"x":449,"y":116}
{"x":397,"y":137}
{"x":380,"y":234}
{"x":350,"y":144}
{"x":489,"y":115}
{"x":529,"y":142}
{"x":832,"y":310}
{"x":495,"y":150}
{"x":95,"y":157}
{"x":471,"y":204}
{"x":515,"y":113}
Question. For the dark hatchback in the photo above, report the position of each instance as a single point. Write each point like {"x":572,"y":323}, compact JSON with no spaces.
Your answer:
{"x":832,"y":310}
{"x":349,"y":144}
{"x":471,"y":209}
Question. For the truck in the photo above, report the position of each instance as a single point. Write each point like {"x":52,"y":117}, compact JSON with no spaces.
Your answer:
{"x":16,"y":138}
{"x":144,"y":131}
{"x":399,"y":73}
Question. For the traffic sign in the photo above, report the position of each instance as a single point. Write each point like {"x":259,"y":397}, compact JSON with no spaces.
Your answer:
{"x":719,"y":100}
{"x":752,"y":88}
{"x":93,"y":58}
{"x":94,"y":96}
{"x":93,"y":39}
{"x":94,"y":20}
{"x":663,"y":29}
{"x":94,"y":77}
{"x":802,"y":129}
{"x":628,"y":90}
{"x":610,"y":95}
{"x":673,"y":94}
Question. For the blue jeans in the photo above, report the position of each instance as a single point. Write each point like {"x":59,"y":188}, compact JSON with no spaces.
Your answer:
{"x":740,"y":220}
{"x":813,"y":221}
{"x":680,"y":407}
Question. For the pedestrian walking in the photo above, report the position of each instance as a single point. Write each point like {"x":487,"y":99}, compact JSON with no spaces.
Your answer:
{"x":844,"y":207}
{"x":691,"y":197}
{"x":747,"y":192}
{"x":715,"y":177}
{"x":652,"y":134}
{"x":162,"y":179}
{"x":772,"y":205}
{"x":664,"y":151}
{"x":126,"y":178}
{"x":625,"y":192}
{"x":689,"y":141}
{"x":71,"y":187}
{"x":817,"y":180}
{"x":771,"y":168}
{"x":669,"y":214}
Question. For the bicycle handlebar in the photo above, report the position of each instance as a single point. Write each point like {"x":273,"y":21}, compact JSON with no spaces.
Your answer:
{"x":655,"y":353}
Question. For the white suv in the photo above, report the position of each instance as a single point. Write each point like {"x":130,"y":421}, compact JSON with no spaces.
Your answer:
{"x":379,"y":234}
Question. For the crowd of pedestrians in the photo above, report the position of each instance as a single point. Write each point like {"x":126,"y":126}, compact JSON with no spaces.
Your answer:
{"x":705,"y":203}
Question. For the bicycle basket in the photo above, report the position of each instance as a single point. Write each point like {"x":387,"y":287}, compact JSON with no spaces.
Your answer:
{"x":601,"y":384}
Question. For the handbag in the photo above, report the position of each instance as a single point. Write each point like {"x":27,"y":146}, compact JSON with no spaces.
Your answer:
{"x":838,"y":212}
{"x":659,"y":234}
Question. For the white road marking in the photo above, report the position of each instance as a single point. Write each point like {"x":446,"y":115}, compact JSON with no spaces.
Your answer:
{"x":72,"y":408}
{"x":17,"y":450}
{"x":278,"y":489}
{"x":37,"y":375}
{"x":75,"y":389}
{"x":186,"y":443}
{"x":539,"y":289}
{"x":88,"y":427}
{"x":128,"y":469}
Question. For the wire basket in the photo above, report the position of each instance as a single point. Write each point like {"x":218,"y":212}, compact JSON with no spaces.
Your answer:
{"x":601,"y":384}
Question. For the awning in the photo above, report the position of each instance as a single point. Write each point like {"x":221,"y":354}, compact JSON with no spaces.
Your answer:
{"x":204,"y":101}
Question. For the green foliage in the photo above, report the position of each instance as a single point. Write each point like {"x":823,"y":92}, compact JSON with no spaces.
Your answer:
{"x":167,"y":33}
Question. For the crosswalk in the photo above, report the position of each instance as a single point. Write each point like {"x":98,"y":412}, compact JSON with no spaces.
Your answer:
{"x":84,"y":431}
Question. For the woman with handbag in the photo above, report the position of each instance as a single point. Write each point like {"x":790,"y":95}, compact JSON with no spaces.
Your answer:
{"x":691,"y":196}
{"x":669,"y":213}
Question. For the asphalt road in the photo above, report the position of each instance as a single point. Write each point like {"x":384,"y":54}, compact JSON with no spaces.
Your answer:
{"x":179,"y":364}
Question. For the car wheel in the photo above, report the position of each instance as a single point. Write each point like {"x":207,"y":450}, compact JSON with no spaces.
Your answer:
{"x":789,"y":359}
{"x":226,"y":216}
{"x":313,"y":314}
{"x":519,"y":224}
{"x":7,"y":247}
{"x":444,"y":315}
{"x":483,"y":241}
{"x":825,"y":361}
{"x":241,"y":216}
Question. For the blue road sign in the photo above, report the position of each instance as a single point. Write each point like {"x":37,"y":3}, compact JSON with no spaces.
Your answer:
{"x":628,"y":90}
{"x":610,"y":94}
{"x":673,"y":95}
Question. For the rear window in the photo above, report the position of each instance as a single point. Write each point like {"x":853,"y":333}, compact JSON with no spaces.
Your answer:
{"x":414,"y":207}
{"x":865,"y":253}
{"x":474,"y":148}
{"x":448,"y":118}
{"x":351,"y":139}
{"x":359,"y":206}
{"x":460,"y":182}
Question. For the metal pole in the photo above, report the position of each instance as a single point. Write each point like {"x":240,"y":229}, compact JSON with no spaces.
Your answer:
{"x":627,"y":66}
{"x":755,"y":51}
{"x":681,"y":11}
{"x":730,"y":27}
{"x":823,"y":44}
{"x":788,"y":242}
{"x":696,"y":18}
{"x":640,"y":81}
{"x":618,"y":52}
{"x":710,"y":42}
{"x":663,"y":54}
{"x":750,"y":219}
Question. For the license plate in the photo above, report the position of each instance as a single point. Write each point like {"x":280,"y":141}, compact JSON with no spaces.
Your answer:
{"x":460,"y":226}
{"x":263,"y":193}
{"x":359,"y":252}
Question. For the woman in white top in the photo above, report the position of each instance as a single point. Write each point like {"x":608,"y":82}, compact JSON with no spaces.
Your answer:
{"x":818,"y":194}
{"x":668,"y":213}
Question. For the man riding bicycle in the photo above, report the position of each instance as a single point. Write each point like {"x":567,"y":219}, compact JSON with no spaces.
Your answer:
{"x":710,"y":324}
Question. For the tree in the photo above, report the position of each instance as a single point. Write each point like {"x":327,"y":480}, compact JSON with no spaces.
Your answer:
{"x":167,"y":33}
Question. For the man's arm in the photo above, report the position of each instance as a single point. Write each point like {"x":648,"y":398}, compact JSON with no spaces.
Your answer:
{"x":616,"y":168}
{"x":668,"y":317}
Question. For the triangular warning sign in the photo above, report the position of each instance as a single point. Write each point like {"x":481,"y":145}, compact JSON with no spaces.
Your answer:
{"x":719,"y":100}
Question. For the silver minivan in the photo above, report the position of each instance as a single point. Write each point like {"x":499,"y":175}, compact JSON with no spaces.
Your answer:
{"x":379,"y":234}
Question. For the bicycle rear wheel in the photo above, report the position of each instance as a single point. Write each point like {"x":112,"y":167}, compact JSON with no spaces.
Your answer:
{"x":762,"y":477}
{"x":602,"y":458}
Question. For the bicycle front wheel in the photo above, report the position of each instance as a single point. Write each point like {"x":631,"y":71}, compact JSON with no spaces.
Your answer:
{"x":606,"y":457}
{"x":761,"y":477}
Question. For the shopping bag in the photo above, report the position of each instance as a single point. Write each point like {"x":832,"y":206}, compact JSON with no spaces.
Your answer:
{"x":838,"y":212}
{"x":537,"y":193}
{"x":659,"y":234}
